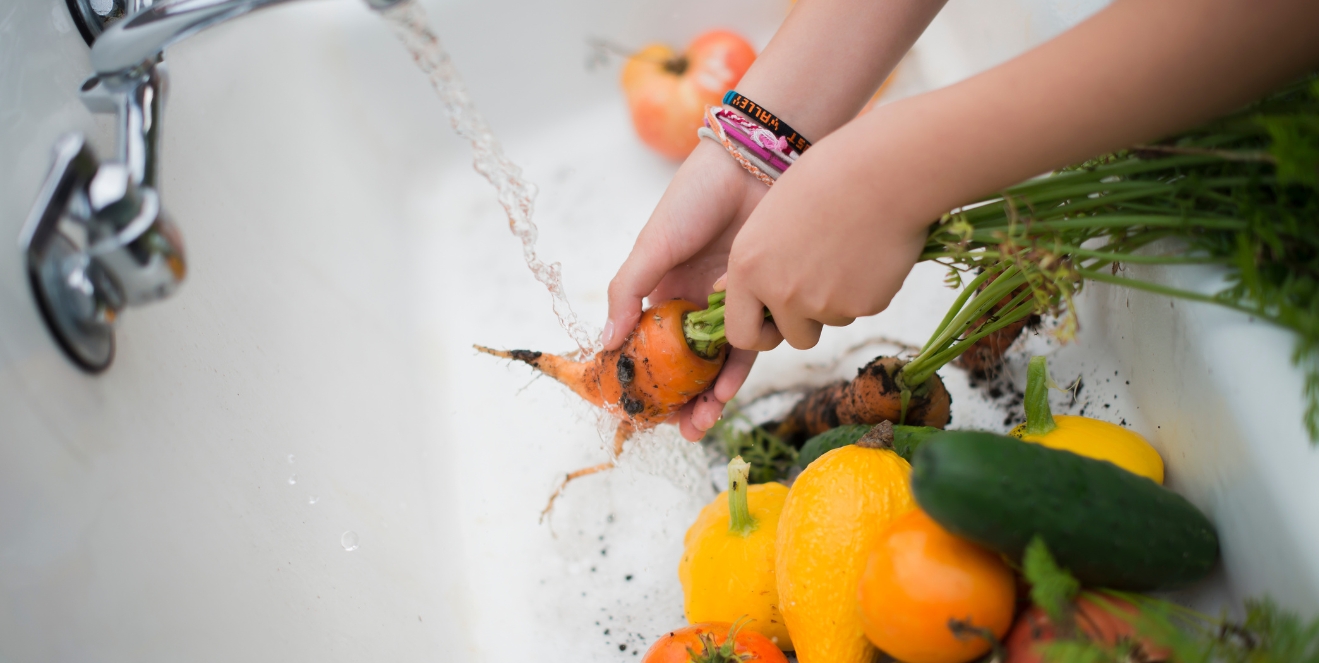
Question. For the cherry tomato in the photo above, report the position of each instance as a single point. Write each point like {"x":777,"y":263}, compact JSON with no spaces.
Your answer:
{"x":667,"y":92}
{"x":708,"y":641}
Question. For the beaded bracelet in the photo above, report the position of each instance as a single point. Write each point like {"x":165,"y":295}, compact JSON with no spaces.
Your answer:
{"x":767,"y":119}
{"x":718,"y":132}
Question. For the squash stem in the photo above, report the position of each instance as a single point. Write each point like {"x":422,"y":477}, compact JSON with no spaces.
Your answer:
{"x":1039,"y":418}
{"x":740,"y":521}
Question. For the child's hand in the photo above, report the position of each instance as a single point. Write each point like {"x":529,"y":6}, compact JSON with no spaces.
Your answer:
{"x":831,"y":242}
{"x":680,"y":252}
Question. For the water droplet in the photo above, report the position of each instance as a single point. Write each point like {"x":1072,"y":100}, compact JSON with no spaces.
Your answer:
{"x":313,"y":499}
{"x":349,"y":540}
{"x":293,"y":478}
{"x":290,"y":459}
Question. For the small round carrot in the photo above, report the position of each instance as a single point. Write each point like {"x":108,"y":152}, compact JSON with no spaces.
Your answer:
{"x":645,"y":381}
{"x":875,"y":395}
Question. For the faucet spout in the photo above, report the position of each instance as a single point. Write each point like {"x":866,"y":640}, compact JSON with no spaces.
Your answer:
{"x":137,"y":40}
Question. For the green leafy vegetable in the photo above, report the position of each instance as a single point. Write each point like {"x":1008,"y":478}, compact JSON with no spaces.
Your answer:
{"x":1052,"y":588}
{"x":770,"y":457}
{"x":1241,"y":192}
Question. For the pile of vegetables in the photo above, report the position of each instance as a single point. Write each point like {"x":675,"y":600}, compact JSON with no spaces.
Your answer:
{"x":918,"y":549}
{"x":898,"y":537}
{"x":926,"y":561}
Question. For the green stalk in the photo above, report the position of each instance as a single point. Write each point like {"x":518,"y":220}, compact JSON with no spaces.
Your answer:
{"x":1125,"y":168}
{"x":966,"y":293}
{"x":740,"y":521}
{"x":1176,"y":293}
{"x":1007,"y":281}
{"x":1039,"y":419}
{"x":1112,"y":221}
{"x":1018,"y":309}
{"x":704,"y":329}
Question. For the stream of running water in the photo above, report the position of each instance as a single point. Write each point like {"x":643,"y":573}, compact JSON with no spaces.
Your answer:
{"x":516,"y":195}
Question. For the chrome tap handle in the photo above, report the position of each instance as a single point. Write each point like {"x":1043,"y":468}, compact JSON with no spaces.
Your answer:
{"x":138,"y":102}
{"x":96,"y":242}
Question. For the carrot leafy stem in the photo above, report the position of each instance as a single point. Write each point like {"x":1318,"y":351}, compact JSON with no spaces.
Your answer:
{"x":1240,"y":193}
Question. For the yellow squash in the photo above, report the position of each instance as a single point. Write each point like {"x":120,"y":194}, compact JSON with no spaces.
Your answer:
{"x":834,"y":516}
{"x":727,"y":567}
{"x":1082,"y":435}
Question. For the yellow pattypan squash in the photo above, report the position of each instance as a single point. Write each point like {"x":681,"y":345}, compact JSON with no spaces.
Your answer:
{"x":727,"y":567}
{"x":1082,"y":435}
{"x":836,"y":512}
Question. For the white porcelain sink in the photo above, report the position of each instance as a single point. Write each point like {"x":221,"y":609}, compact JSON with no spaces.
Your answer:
{"x":344,"y":257}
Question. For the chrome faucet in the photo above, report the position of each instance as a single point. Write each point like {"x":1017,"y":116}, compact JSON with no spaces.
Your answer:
{"x":97,"y":239}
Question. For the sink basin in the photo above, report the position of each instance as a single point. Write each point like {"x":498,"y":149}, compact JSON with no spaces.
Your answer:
{"x":312,"y":387}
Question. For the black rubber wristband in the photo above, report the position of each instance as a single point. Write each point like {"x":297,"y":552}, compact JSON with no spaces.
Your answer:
{"x":767,"y":119}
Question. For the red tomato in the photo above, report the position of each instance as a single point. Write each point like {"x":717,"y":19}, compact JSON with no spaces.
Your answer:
{"x":708,"y":638}
{"x":667,"y":93}
{"x":1098,"y":622}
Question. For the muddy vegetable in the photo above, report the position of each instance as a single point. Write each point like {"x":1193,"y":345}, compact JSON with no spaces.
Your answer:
{"x":875,"y":395}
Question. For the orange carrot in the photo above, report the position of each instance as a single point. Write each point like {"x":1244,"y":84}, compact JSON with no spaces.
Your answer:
{"x":872,"y":397}
{"x":644,"y":382}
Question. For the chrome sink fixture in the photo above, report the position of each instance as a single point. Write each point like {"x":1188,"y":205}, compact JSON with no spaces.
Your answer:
{"x":97,"y":239}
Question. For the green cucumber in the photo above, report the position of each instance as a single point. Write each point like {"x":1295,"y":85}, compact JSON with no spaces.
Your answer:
{"x":905,"y":440}
{"x":1109,"y":527}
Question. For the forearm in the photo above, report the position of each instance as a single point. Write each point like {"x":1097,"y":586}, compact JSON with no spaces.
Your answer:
{"x":830,"y":56}
{"x":1136,"y":71}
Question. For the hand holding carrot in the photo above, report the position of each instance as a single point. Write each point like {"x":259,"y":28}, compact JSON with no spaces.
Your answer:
{"x":680,"y":252}
{"x":831,"y":242}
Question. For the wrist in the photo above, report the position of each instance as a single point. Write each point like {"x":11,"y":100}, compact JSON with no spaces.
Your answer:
{"x":712,"y":158}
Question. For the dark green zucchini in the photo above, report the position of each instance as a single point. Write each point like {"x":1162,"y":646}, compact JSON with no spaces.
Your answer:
{"x":1109,"y":527}
{"x":905,"y":440}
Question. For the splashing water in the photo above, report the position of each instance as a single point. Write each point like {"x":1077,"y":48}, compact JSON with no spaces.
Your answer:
{"x":516,"y":195}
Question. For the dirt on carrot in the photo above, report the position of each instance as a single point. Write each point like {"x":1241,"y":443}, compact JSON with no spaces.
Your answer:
{"x":873,"y":396}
